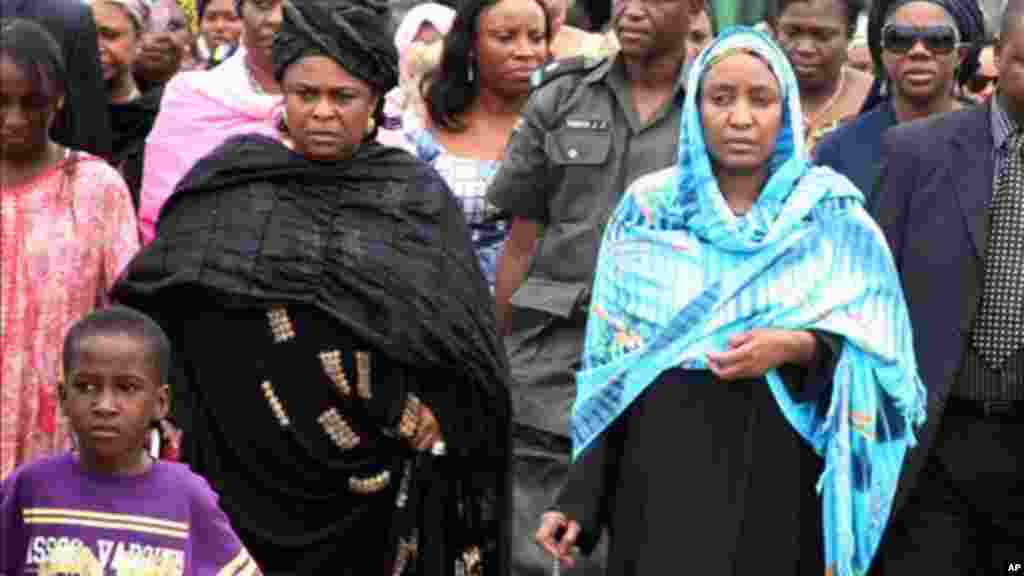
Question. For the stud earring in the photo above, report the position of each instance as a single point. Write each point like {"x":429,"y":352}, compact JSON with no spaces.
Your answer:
{"x":469,"y":73}
{"x":370,"y":125}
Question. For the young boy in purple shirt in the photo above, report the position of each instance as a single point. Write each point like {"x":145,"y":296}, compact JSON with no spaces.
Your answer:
{"x":110,"y":508}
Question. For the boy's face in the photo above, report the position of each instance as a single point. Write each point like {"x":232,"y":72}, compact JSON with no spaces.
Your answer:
{"x":112,"y":395}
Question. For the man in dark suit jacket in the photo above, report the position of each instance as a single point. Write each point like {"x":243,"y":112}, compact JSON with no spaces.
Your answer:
{"x":854,"y":150}
{"x":84,"y":123}
{"x":960,"y":505}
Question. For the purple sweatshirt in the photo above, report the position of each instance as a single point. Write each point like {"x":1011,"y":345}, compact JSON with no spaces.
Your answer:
{"x":56,"y":518}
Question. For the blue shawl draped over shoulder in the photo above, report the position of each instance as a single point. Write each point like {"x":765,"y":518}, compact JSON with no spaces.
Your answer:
{"x":679,"y":274}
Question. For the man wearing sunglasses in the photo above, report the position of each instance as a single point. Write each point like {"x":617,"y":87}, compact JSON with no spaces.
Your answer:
{"x":951,"y":204}
{"x":924,"y":49}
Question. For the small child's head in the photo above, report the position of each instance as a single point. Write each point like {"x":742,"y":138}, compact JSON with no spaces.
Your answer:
{"x":32,"y":76}
{"x":116,"y":362}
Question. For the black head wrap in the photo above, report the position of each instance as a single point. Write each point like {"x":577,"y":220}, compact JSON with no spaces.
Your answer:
{"x":969,"y":19}
{"x":201,"y":9}
{"x":357,"y":34}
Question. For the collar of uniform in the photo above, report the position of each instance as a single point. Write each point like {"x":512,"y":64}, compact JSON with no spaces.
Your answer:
{"x":614,"y":77}
{"x":614,"y":69}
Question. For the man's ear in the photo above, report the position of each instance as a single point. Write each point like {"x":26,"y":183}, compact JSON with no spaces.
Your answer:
{"x":163,"y":401}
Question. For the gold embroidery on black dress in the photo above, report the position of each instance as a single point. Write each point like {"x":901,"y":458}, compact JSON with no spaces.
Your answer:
{"x":470,"y":564}
{"x":338,"y":429}
{"x":406,"y":551}
{"x":280,"y":324}
{"x":335,"y":370}
{"x":370,"y":485}
{"x":275,"y":404}
{"x":363,"y":375}
{"x":410,"y":420}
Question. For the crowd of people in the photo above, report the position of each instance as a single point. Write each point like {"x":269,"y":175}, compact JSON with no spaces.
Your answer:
{"x":308,"y":286}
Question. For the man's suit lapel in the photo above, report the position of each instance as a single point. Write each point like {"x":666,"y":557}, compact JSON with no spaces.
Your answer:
{"x":971,"y":165}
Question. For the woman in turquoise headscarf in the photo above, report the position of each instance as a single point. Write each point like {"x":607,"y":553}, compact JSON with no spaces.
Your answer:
{"x":746,"y":315}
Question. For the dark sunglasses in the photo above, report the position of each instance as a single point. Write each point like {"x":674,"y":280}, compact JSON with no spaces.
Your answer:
{"x":981,"y":82}
{"x":900,"y":39}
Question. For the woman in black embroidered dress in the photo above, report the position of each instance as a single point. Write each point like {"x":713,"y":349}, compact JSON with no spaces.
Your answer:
{"x":339,"y":380}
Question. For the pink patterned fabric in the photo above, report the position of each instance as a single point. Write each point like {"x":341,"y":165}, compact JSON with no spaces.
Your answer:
{"x":66,"y":236}
{"x":198,"y":112}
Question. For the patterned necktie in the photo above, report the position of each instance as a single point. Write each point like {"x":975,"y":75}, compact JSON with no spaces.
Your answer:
{"x":999,"y":328}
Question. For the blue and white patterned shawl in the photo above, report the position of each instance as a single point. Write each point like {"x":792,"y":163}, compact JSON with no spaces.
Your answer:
{"x":679,"y":274}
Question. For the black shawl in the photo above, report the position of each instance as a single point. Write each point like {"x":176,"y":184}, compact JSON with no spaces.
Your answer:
{"x":380,"y":244}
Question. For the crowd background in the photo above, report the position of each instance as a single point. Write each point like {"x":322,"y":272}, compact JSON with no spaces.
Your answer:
{"x":315,"y":191}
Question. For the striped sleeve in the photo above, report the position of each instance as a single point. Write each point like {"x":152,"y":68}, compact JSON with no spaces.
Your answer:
{"x":216,"y":548}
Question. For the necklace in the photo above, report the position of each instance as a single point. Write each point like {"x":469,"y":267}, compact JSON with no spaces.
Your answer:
{"x":810,"y":121}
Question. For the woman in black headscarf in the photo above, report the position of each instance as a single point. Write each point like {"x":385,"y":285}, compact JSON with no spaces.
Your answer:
{"x":339,"y":380}
{"x":906,"y":37}
{"x":969,"y":19}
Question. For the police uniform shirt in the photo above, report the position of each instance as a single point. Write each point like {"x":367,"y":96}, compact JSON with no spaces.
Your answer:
{"x":577,"y":147}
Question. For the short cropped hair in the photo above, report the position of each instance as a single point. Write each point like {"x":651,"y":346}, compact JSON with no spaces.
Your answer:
{"x":120,"y":320}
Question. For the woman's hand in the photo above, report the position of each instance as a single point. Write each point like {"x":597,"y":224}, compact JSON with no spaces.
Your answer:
{"x":550,"y":524}
{"x":428,"y":431}
{"x":752,"y":354}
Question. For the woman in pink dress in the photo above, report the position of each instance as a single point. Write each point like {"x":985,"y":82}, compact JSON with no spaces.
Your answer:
{"x":203,"y":108}
{"x":68,"y":228}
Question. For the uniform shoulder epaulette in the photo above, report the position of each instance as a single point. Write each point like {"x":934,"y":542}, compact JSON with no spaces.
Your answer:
{"x":563,"y":67}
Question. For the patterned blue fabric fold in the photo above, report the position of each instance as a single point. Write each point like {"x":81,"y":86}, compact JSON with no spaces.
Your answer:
{"x":679,"y":274}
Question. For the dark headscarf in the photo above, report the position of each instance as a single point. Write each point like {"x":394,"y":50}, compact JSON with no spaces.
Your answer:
{"x":969,"y":19}
{"x":357,"y":34}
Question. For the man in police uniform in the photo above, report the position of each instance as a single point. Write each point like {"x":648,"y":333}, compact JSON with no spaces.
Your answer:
{"x":591,"y":127}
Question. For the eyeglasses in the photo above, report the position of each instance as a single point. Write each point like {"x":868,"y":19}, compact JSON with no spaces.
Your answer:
{"x":900,"y":39}
{"x":980,"y":82}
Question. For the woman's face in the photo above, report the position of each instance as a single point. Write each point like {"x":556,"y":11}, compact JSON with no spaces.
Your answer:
{"x":261,"y":19}
{"x":118,"y":40}
{"x":511,"y":43}
{"x":921,"y":74}
{"x":165,"y":43}
{"x":741,"y":111}
{"x":220,"y":24}
{"x":328,"y":110}
{"x":27,"y":112}
{"x":814,"y":35}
